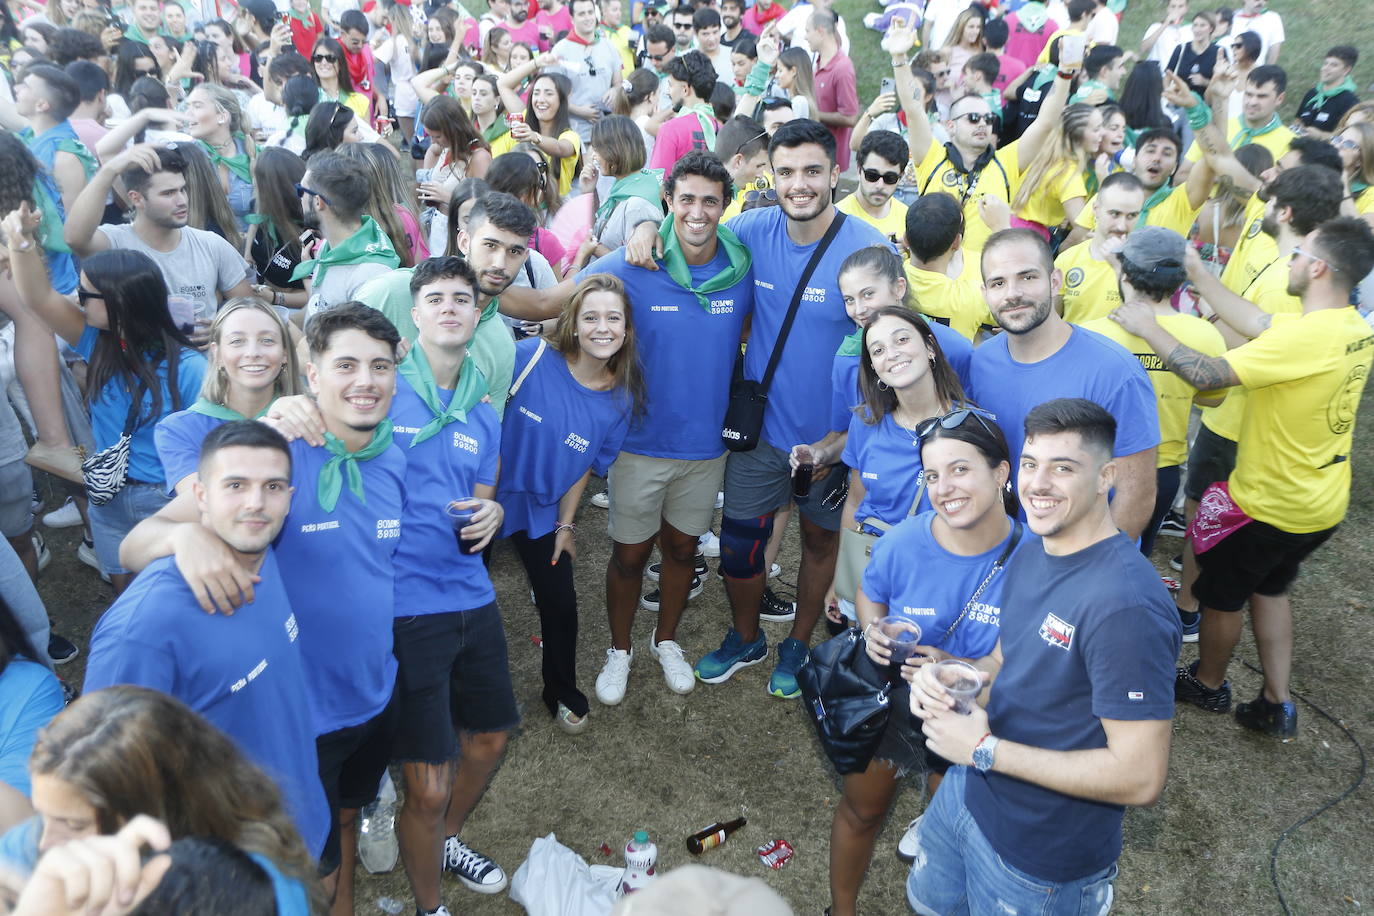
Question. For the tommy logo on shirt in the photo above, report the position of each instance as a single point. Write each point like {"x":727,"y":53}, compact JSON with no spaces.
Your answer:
{"x":1056,"y":632}
{"x":1135,"y":695}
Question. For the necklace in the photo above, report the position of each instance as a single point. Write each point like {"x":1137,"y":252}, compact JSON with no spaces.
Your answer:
{"x":909,"y":430}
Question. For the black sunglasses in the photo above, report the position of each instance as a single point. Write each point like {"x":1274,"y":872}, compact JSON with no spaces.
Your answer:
{"x":885,"y":177}
{"x":322,"y":58}
{"x":769,"y":195}
{"x":978,"y":117}
{"x":302,"y":190}
{"x":84,"y":295}
{"x":953,"y":420}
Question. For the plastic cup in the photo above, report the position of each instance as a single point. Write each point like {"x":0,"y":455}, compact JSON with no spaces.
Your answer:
{"x":460,"y":516}
{"x":1071,"y":48}
{"x":903,"y":636}
{"x":961,"y":681}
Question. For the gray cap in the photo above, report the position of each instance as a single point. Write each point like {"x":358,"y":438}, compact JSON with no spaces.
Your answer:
{"x":1155,"y":249}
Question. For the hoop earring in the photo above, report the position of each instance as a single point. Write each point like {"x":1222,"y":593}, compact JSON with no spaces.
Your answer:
{"x":883,"y":386}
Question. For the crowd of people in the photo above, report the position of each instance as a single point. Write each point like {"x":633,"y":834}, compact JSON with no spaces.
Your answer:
{"x":308,"y":307}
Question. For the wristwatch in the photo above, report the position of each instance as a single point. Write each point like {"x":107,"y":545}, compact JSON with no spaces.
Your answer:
{"x":983,"y":753}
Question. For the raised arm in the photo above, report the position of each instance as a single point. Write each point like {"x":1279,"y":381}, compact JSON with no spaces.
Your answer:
{"x":83,"y":218}
{"x":911,"y":95}
{"x":1211,"y":137}
{"x":1051,"y":111}
{"x":509,"y":81}
{"x":1239,"y":313}
{"x":30,"y":274}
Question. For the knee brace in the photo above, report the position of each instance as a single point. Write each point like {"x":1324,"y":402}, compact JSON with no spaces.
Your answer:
{"x":742,"y":545}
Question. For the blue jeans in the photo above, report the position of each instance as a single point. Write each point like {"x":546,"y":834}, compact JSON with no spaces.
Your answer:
{"x":956,"y":870}
{"x":111,"y":522}
{"x":16,"y":589}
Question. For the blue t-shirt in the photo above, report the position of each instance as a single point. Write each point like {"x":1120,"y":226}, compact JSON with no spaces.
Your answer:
{"x":555,"y":429}
{"x":111,"y":409}
{"x":19,"y":846}
{"x":687,"y":354}
{"x":244,"y":673}
{"x":30,"y":696}
{"x":1088,"y":636}
{"x":345,"y":645}
{"x":844,"y":374}
{"x":432,"y":576}
{"x":916,"y":578}
{"x":178,"y":438}
{"x":1087,"y":366}
{"x":888,"y":459}
{"x":799,"y":399}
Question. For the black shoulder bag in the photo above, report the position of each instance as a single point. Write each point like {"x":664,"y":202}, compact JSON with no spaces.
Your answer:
{"x":744,"y":414}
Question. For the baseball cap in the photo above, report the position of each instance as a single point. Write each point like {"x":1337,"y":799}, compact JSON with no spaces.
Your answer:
{"x":1157,"y":250}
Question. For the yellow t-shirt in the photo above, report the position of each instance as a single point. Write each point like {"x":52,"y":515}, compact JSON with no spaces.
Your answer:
{"x":959,"y":300}
{"x":1276,"y":141}
{"x":1364,"y":201}
{"x":569,"y":165}
{"x":737,"y":205}
{"x":1174,"y":212}
{"x":1305,"y":375}
{"x":1044,"y":57}
{"x":936,"y":173}
{"x":893,"y":225}
{"x":1173,"y":394}
{"x":1046,"y":203}
{"x":1090,"y":287}
{"x":1254,"y":249}
{"x":502,"y":144}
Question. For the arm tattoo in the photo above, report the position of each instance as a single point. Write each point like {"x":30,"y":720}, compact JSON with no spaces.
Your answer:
{"x":1206,"y":373}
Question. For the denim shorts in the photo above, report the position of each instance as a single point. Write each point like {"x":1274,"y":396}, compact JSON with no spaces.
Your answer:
{"x":956,"y":870}
{"x":111,"y":522}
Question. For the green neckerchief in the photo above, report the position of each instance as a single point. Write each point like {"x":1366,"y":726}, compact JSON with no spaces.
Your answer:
{"x":1248,"y":133}
{"x":1088,"y":87}
{"x":646,"y":184}
{"x":238,"y":163}
{"x":302,"y":18}
{"x":81,"y":152}
{"x":221,"y":412}
{"x":369,"y":245}
{"x":852,"y":345}
{"x":471,"y":388}
{"x":707,"y":116}
{"x":1158,"y":197}
{"x":50,"y":226}
{"x":1032,"y":15}
{"x":496,"y":131}
{"x":342,"y":461}
{"x":1322,"y":95}
{"x":490,"y":311}
{"x":676,"y":263}
{"x":1358,"y":187}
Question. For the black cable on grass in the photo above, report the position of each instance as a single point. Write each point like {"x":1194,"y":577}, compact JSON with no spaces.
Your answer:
{"x":1350,"y":790}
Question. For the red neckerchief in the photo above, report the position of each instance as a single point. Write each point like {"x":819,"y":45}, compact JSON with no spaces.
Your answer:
{"x":579,"y":40}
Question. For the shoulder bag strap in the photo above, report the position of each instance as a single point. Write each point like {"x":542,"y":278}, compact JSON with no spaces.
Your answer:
{"x":797,"y":294}
{"x":529,"y":367}
{"x":131,"y":420}
{"x":1001,"y":561}
{"x":920,"y":491}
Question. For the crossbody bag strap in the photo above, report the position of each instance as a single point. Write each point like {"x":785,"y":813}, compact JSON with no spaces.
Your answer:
{"x":920,"y":491}
{"x":797,"y":294}
{"x":131,"y":421}
{"x":1001,"y":561}
{"x":529,"y":367}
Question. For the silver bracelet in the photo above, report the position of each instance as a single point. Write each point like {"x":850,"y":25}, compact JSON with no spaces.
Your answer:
{"x":568,"y":527}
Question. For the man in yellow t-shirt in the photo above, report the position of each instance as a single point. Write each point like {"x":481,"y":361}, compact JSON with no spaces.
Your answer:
{"x":1305,"y":374}
{"x":1090,"y":288}
{"x":1153,"y":267}
{"x":941,"y":289}
{"x":882,"y":159}
{"x":1259,"y":121}
{"x":1166,"y":205}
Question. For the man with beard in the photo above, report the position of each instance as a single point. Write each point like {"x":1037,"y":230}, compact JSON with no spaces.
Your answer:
{"x":201,"y":269}
{"x":1304,"y":375}
{"x":1041,"y":357}
{"x":1166,"y":205}
{"x":592,"y":64}
{"x":496,"y":243}
{"x":731,"y":22}
{"x":1090,"y":287}
{"x":883,"y":156}
{"x":245,"y":673}
{"x":522,"y":29}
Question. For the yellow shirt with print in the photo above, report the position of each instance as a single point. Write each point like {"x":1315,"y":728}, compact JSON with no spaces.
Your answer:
{"x":1276,"y":141}
{"x":935,"y":173}
{"x":1253,"y":250}
{"x":1090,"y":287}
{"x":957,"y":301}
{"x":1174,"y":212}
{"x":1173,"y":395}
{"x":893,"y":225}
{"x":502,"y":144}
{"x":1304,"y":375}
{"x":1269,"y":291}
{"x":1046,"y":203}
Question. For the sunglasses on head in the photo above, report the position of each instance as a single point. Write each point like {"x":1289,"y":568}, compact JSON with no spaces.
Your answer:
{"x":886,"y":177}
{"x":953,"y":420}
{"x":1345,"y":143}
{"x":978,"y":117}
{"x":768,"y":195}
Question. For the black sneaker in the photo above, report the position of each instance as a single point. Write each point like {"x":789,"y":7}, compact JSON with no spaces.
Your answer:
{"x":701,"y":571}
{"x":775,"y":609}
{"x":1176,"y":563}
{"x":650,"y":601}
{"x":1173,"y":526}
{"x":477,"y":872}
{"x":1188,"y":689}
{"x":61,"y":649}
{"x":1277,"y":719}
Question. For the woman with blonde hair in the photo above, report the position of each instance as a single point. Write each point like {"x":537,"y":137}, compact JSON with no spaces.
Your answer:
{"x":1052,"y":190}
{"x":392,"y":203}
{"x":125,"y":751}
{"x":795,"y":75}
{"x":252,"y":363}
{"x":217,"y":122}
{"x":496,"y":49}
{"x":401,"y":53}
{"x":207,"y":204}
{"x":1355,"y":143}
{"x":586,"y":388}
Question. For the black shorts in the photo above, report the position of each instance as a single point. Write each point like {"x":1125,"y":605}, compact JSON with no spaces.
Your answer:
{"x":1257,"y":559}
{"x":453,"y":676}
{"x":1211,"y":460}
{"x":352,"y":761}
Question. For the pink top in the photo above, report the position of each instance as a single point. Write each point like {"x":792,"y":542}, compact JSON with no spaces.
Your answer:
{"x":1008,"y":69}
{"x":837,"y":90}
{"x":1026,"y":45}
{"x":675,"y":139}
{"x":419,"y":249}
{"x":547,"y":244}
{"x":560,"y":21}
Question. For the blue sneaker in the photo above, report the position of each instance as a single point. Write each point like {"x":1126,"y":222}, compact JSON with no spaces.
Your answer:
{"x":792,"y":654}
{"x":1191,"y":621}
{"x":734,"y":653}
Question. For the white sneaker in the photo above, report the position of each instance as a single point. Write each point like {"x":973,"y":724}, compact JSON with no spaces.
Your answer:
{"x":86,"y":554}
{"x":377,"y":847}
{"x":909,"y":844}
{"x":720,"y":499}
{"x":68,"y":516}
{"x":602,"y":500}
{"x":677,"y":674}
{"x":774,"y":571}
{"x":615,"y":674}
{"x":708,"y":544}
{"x":41,"y":549}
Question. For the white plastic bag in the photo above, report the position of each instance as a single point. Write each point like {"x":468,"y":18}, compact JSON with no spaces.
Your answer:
{"x":555,"y":881}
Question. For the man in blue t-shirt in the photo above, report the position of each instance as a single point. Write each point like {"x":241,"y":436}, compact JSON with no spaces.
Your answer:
{"x":1080,"y":702}
{"x":1042,"y":357}
{"x":244,"y":673}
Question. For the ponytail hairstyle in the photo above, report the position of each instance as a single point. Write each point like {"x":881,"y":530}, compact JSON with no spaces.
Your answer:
{"x":1061,"y":154}
{"x":640,"y":85}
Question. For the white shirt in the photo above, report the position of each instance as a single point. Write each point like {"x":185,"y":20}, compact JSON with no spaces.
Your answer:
{"x":1267,"y":25}
{"x":1102,"y":28}
{"x":941,"y":15}
{"x":265,"y":115}
{"x":792,"y":26}
{"x":1171,"y":37}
